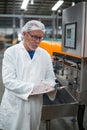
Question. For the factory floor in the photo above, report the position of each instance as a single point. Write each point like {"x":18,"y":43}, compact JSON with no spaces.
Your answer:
{"x":62,"y":123}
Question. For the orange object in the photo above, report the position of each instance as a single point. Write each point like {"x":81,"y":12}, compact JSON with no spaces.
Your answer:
{"x":51,"y":46}
{"x":69,"y":54}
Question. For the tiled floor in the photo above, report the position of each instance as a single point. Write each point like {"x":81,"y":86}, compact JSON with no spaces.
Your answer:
{"x":63,"y":123}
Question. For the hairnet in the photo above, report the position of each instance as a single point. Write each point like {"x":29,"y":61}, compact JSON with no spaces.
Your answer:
{"x":33,"y":25}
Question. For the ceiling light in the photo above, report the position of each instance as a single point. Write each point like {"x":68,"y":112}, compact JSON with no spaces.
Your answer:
{"x":32,"y":2}
{"x":24,"y":4}
{"x":73,"y":3}
{"x":59,"y":11}
{"x":57,"y":5}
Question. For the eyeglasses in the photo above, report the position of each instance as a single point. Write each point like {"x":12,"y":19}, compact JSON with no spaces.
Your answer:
{"x":35,"y":37}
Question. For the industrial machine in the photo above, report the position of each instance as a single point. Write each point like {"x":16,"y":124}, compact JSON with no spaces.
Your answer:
{"x":70,"y":67}
{"x":71,"y":71}
{"x":75,"y":43}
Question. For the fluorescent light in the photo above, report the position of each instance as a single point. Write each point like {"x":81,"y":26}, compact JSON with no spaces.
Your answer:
{"x":57,"y":5}
{"x":32,"y":2}
{"x":59,"y":11}
{"x":24,"y":4}
{"x":73,"y":3}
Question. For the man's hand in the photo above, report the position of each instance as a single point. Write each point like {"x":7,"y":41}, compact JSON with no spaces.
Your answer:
{"x":42,"y":88}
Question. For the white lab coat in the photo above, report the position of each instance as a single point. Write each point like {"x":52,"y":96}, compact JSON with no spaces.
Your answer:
{"x":19,"y":110}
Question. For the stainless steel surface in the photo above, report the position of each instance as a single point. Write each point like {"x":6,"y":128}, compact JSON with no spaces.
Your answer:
{"x":77,"y":14}
{"x":64,"y":105}
{"x":71,"y":66}
{"x":72,"y":72}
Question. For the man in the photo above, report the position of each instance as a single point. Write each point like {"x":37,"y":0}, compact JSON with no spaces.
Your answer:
{"x":27,"y":73}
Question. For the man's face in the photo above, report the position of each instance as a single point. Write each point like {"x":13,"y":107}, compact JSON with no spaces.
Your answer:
{"x":32,"y":39}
